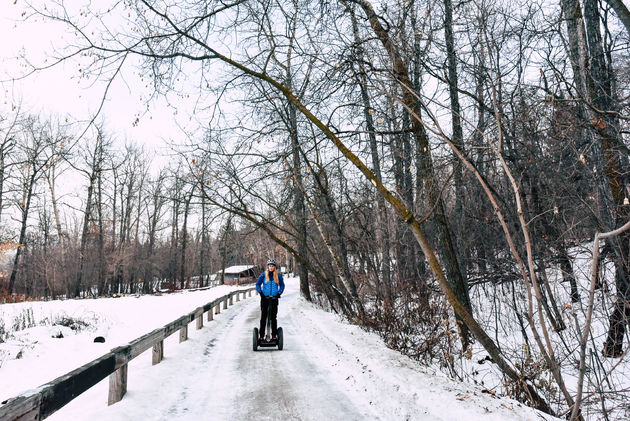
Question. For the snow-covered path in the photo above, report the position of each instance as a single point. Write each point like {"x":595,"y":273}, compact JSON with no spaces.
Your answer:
{"x":268,"y":384}
{"x":328,"y":369}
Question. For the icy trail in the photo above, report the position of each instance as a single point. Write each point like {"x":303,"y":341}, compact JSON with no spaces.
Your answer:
{"x":327,"y":370}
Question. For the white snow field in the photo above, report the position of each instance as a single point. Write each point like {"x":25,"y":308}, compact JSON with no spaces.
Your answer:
{"x":328,"y":370}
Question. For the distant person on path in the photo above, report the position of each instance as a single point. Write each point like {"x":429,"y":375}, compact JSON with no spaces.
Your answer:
{"x":270,"y":286}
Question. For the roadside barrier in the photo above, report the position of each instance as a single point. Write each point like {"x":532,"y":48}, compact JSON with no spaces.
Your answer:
{"x":39,"y":403}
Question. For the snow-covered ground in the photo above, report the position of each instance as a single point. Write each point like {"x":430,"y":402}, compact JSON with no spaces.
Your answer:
{"x":607,"y":380}
{"x":328,"y":367}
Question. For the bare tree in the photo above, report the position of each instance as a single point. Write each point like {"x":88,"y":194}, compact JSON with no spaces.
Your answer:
{"x":34,"y":145}
{"x":8,"y":130}
{"x":95,"y":158}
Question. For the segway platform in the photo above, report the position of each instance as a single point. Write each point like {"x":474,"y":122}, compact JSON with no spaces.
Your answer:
{"x":268,"y":342}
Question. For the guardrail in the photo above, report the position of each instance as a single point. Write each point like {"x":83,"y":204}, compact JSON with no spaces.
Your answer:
{"x":43,"y":401}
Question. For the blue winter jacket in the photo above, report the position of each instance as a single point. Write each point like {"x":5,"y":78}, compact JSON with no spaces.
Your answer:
{"x":270,"y":288}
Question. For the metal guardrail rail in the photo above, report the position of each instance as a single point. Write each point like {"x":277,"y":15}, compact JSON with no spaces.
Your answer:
{"x":39,"y":403}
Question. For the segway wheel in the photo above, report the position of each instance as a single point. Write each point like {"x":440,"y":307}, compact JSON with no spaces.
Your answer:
{"x":255,"y":339}
{"x":280,"y":339}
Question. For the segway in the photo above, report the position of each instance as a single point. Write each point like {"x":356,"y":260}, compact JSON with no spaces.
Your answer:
{"x":267,"y":340}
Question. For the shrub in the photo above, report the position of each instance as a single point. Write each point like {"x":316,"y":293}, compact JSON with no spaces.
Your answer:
{"x":73,"y":323}
{"x":24,"y":320}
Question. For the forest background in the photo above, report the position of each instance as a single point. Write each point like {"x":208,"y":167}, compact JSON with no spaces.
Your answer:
{"x":430,"y":169}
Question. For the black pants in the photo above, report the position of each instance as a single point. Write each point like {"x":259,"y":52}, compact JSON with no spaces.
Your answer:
{"x":268,"y":311}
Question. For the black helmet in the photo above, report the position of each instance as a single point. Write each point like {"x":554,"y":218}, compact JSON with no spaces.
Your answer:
{"x":272,"y":262}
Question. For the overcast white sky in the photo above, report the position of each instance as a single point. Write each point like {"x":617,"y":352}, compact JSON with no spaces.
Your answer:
{"x":59,"y":91}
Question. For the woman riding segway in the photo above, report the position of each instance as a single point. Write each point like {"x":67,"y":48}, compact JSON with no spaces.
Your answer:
{"x":270,"y":286}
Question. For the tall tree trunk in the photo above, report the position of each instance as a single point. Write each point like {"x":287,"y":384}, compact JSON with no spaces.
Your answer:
{"x":203,"y":252}
{"x":51,"y":178}
{"x":5,"y":148}
{"x":182,"y":275}
{"x":482,"y":253}
{"x":457,"y":136}
{"x":226,"y":233}
{"x":2,"y":163}
{"x":114,"y":209}
{"x":405,"y":254}
{"x":101,"y":235}
{"x":567,"y":272}
{"x":616,"y":165}
{"x":417,"y":63}
{"x":87,"y":216}
{"x":126,"y":227}
{"x":588,"y":61}
{"x":298,"y":195}
{"x":153,"y":223}
{"x":172,"y":271}
{"x":381,"y":229}
{"x":25,"y":205}
{"x":442,"y":231}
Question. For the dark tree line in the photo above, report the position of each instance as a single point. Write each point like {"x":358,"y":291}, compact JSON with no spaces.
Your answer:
{"x":121,"y":230}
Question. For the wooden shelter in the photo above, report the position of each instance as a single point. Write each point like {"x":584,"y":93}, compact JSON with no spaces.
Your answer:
{"x":239,"y":275}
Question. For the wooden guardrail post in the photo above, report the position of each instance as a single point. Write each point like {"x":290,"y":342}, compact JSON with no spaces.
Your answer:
{"x":217,"y":309}
{"x":225,"y":304}
{"x":117,"y":385}
{"x":210,"y":312}
{"x":200,"y":321}
{"x":183,"y":333}
{"x":238,"y":296}
{"x":250,"y":292}
{"x":118,"y":379}
{"x":158,"y":352}
{"x":231,"y":300}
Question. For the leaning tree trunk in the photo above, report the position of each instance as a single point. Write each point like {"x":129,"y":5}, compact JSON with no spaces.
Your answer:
{"x":622,"y":13}
{"x":348,"y":287}
{"x":406,"y":215}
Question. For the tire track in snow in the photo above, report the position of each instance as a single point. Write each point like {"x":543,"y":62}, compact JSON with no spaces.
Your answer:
{"x":180,"y":407}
